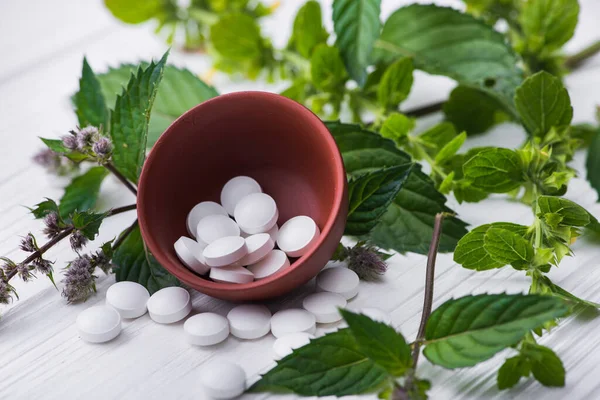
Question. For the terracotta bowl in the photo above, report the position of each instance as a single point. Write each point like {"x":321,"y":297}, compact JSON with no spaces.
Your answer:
{"x":270,"y":138}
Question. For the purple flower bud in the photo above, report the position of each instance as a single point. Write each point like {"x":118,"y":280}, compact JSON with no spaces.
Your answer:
{"x":85,"y":136}
{"x":70,"y":142}
{"x":366,"y":262}
{"x":9,"y":265}
{"x":48,"y":159}
{"x":77,"y":240}
{"x":24,"y":272}
{"x":101,"y":261}
{"x":28,"y":243}
{"x":5,"y":292}
{"x":52,"y":228}
{"x":79,"y":281}
{"x":43,"y":266}
{"x":102,"y":147}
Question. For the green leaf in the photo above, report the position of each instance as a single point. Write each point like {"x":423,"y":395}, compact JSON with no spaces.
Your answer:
{"x":543,"y":103}
{"x":508,"y":247}
{"x":437,"y":137}
{"x":380,"y":342}
{"x":450,"y":149}
{"x":356,"y":24}
{"x":370,"y":195}
{"x":592,"y":164}
{"x":327,"y":69}
{"x":82,"y":192}
{"x":546,"y":367}
{"x":90,"y":105}
{"x":41,"y":209}
{"x":511,"y":372}
{"x":548,"y":24}
{"x":134,"y":11}
{"x":236,"y":37}
{"x":466,"y":331}
{"x":495,"y":170}
{"x":330,"y":365}
{"x":130,"y":117}
{"x":87,"y":222}
{"x":444,"y":41}
{"x":56,"y":145}
{"x":572,"y":213}
{"x":179,"y":91}
{"x":471,"y":253}
{"x":397,"y":127}
{"x":133,"y":262}
{"x":308,"y":30}
{"x":473,"y":111}
{"x":395,"y":84}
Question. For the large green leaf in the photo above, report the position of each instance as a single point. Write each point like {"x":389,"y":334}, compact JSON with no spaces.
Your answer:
{"x":548,"y":24}
{"x":356,"y":24}
{"x":370,"y":195}
{"x":308,"y":30}
{"x":592,"y":163}
{"x":327,"y":69}
{"x":395,"y":84}
{"x":82,"y":192}
{"x":495,"y":170}
{"x":133,"y":262}
{"x":508,"y":247}
{"x":134,"y":11}
{"x":236,"y":37}
{"x":466,"y":331}
{"x":89,"y":102}
{"x":444,"y":41}
{"x":88,"y":222}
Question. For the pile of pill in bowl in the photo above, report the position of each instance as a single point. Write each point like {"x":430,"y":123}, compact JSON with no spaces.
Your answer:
{"x":234,"y":242}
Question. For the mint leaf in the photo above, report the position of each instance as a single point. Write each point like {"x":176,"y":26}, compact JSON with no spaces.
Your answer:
{"x":41,"y":209}
{"x":508,"y":247}
{"x":543,"y":103}
{"x":397,"y":127}
{"x":308,"y":30}
{"x":450,"y":149}
{"x":133,"y":11}
{"x":236,"y":37}
{"x":380,"y":342}
{"x":330,"y":365}
{"x":572,"y":214}
{"x":327,"y":69}
{"x":88,"y":222}
{"x":512,"y":370}
{"x":444,"y":41}
{"x":90,"y":105}
{"x":133,"y":262}
{"x":370,"y":195}
{"x":546,"y":367}
{"x":437,"y":137}
{"x":482,"y":113}
{"x":466,"y":331}
{"x":548,"y":24}
{"x":130,"y":117}
{"x":356,"y":24}
{"x":82,"y":192}
{"x":592,"y":163}
{"x":495,"y":170}
{"x":395,"y":84}
{"x":56,"y":145}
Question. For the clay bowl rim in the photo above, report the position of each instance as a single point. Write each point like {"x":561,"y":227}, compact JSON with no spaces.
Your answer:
{"x":189,"y":277}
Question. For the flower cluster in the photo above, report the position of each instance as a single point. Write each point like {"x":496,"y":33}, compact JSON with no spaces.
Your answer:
{"x":364,"y":259}
{"x":79,"y":280}
{"x":53,"y":225}
{"x":89,"y":140}
{"x":78,"y":240}
{"x":6,"y":291}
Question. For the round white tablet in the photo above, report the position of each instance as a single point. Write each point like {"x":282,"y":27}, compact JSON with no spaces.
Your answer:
{"x":259,"y":246}
{"x":223,"y":380}
{"x":231,"y":274}
{"x":236,"y":189}
{"x":169,"y":305}
{"x":377,"y":315}
{"x":206,"y":329}
{"x":324,"y":306}
{"x":297,"y":235}
{"x":292,"y":320}
{"x":128,"y":298}
{"x":249,"y":321}
{"x":214,"y":227}
{"x":99,"y":324}
{"x":201,"y":210}
{"x":256,"y":213}
{"x":285,"y":345}
{"x":339,"y":280}
{"x":275,"y":261}
{"x":225,"y":251}
{"x":190,"y":254}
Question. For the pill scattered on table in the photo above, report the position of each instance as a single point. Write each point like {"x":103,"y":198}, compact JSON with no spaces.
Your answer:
{"x":377,"y":315}
{"x":285,"y":345}
{"x":223,"y":380}
{"x":338,"y":280}
{"x":231,"y":274}
{"x":249,"y":321}
{"x":169,"y":305}
{"x":259,"y":246}
{"x":214,"y":227}
{"x":98,"y":324}
{"x":324,"y":306}
{"x":292,"y":320}
{"x":190,"y":254}
{"x":275,"y":261}
{"x":201,"y":210}
{"x":206,"y":329}
{"x":297,"y":235}
{"x":128,"y":298}
{"x":225,"y":251}
{"x":256,"y":213}
{"x":236,"y":189}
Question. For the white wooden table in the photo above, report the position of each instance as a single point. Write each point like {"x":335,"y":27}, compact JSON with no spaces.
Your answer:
{"x":42,"y":44}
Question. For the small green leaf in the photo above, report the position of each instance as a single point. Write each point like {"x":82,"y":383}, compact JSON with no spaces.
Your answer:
{"x":546,"y":367}
{"x":592,"y":164}
{"x":556,"y":290}
{"x":87,"y":222}
{"x":450,"y":149}
{"x":130,"y":117}
{"x":82,"y":192}
{"x":56,"y":145}
{"x":548,"y":24}
{"x":41,"y":209}
{"x":466,"y":331}
{"x":133,"y":262}
{"x":511,"y":371}
{"x":395,"y":84}
{"x":370,"y":195}
{"x":508,"y":247}
{"x":134,"y":11}
{"x":397,"y":127}
{"x":495,"y":170}
{"x":380,"y":342}
{"x":308,"y":30}
{"x":327,"y":69}
{"x":543,"y":103}
{"x":90,"y":105}
{"x":473,"y":111}
{"x":572,"y":214}
{"x":437,"y":137}
{"x":236,"y":37}
{"x":356,"y":24}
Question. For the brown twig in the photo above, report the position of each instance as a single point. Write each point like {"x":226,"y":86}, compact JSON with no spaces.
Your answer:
{"x":422,"y":111}
{"x":120,"y":177}
{"x":576,"y":60}
{"x":124,"y":235}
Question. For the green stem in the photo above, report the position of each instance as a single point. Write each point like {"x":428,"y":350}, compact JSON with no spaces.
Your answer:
{"x":203,"y":16}
{"x":425,"y":110}
{"x":576,"y":60}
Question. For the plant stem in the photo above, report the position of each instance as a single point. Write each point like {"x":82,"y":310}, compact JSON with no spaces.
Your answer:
{"x":124,"y":235}
{"x":120,"y":176}
{"x":425,"y":110}
{"x":576,"y":60}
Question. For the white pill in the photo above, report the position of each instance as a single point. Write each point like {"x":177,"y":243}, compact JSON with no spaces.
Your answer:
{"x":259,"y":246}
{"x":223,"y":380}
{"x":190,"y":253}
{"x":200,"y":211}
{"x":285,"y":345}
{"x":377,"y":315}
{"x":169,"y":305}
{"x":292,"y":320}
{"x":338,"y":280}
{"x":256,"y":213}
{"x":275,"y":261}
{"x":206,"y":329}
{"x":236,"y":189}
{"x":297,"y":235}
{"x":214,"y":227}
{"x":128,"y":298}
{"x":324,"y":306}
{"x":249,"y":321}
{"x":231,"y":274}
{"x":225,"y":251}
{"x":99,"y":324}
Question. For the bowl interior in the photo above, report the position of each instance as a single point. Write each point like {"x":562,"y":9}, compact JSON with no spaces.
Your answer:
{"x":272,"y":139}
